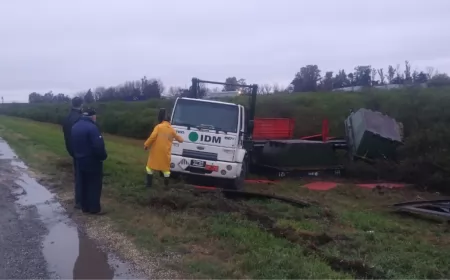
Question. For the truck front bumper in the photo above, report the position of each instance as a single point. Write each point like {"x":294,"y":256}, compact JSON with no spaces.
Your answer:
{"x":217,"y":169}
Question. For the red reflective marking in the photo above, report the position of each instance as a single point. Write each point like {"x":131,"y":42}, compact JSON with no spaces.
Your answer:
{"x":212,"y":168}
{"x":321,"y":186}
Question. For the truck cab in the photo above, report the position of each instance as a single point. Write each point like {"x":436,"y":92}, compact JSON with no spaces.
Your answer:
{"x":213,"y":134}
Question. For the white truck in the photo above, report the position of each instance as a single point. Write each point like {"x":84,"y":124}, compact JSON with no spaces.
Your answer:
{"x":215,"y":135}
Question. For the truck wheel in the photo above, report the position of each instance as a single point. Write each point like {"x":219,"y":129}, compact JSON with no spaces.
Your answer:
{"x":238,"y":183}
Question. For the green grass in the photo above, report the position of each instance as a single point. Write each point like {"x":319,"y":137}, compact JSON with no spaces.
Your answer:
{"x":220,"y":238}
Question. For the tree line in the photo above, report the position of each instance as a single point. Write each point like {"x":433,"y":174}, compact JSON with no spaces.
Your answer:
{"x":308,"y":79}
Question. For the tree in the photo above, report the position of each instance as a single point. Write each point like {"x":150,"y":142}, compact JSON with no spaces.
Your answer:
{"x":80,"y":94}
{"x":108,"y":94}
{"x":306,"y":79}
{"x":408,"y":77}
{"x":276,"y":88}
{"x":202,"y":91}
{"x":327,"y":81}
{"x":374,"y":75}
{"x":430,"y":72}
{"x":234,"y":84}
{"x":419,"y":78}
{"x":341,"y":80}
{"x":398,"y":79}
{"x":153,"y":89}
{"x":264,"y":89}
{"x":161,"y":86}
{"x":391,"y":74}
{"x":243,"y":90}
{"x":35,"y":97}
{"x":89,"y":97}
{"x":439,"y":80}
{"x":351,"y":77}
{"x":381,"y":74}
{"x":175,"y":91}
{"x":98,"y":93}
{"x":48,"y":97}
{"x":362,"y":75}
{"x":61,"y":98}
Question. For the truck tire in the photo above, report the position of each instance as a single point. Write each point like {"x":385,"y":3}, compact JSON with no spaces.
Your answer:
{"x":238,"y":183}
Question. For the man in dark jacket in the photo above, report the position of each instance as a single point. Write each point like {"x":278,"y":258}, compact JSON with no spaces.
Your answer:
{"x":71,"y":119}
{"x":89,"y":152}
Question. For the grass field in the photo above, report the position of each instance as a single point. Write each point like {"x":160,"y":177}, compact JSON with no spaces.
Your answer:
{"x":348,"y":232}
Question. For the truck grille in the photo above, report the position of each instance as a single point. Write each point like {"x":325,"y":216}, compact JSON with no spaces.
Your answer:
{"x":199,"y":154}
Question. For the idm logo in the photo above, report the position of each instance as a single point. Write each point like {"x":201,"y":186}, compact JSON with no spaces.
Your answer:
{"x":194,"y":137}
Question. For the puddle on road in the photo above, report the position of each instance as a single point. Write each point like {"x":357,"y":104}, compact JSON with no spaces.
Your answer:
{"x":69,"y":253}
{"x":7,"y":153}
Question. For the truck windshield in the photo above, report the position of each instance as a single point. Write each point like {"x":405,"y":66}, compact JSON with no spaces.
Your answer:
{"x":222,"y":117}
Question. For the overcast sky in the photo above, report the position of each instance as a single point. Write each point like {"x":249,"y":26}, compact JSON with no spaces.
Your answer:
{"x":68,"y":46}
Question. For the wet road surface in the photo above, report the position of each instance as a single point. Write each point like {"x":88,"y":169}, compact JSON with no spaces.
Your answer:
{"x":37,"y":237}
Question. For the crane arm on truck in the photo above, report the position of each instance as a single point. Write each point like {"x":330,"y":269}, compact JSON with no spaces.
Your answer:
{"x":252,"y":104}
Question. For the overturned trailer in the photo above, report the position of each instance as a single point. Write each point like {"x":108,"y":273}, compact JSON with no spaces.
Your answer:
{"x":372,"y":135}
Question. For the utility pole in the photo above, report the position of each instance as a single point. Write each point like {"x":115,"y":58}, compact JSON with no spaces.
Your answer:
{"x":2,"y":99}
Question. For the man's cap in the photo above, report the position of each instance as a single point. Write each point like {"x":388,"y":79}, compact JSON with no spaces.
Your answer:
{"x":89,"y":112}
{"x":77,"y":102}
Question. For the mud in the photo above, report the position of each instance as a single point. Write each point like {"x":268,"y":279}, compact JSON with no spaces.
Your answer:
{"x":312,"y":242}
{"x":67,"y":252}
{"x":185,"y":199}
{"x":206,"y":202}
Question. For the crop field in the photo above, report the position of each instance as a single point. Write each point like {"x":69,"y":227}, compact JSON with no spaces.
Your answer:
{"x":346,"y":232}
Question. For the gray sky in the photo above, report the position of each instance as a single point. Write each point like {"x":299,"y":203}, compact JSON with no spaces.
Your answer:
{"x":68,"y":46}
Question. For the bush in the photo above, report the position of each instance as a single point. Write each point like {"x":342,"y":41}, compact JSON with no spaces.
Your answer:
{"x":424,"y":158}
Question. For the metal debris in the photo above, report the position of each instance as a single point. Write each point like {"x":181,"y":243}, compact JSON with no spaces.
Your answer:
{"x":439,"y":208}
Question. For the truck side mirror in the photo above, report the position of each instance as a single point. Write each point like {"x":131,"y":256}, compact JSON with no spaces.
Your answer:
{"x":161,"y":114}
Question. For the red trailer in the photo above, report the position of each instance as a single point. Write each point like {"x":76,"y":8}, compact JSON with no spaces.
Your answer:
{"x":283,"y":129}
{"x":273,"y":128}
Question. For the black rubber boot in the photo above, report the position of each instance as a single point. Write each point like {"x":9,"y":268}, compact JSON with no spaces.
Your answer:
{"x":166,"y":181}
{"x":149,"y":181}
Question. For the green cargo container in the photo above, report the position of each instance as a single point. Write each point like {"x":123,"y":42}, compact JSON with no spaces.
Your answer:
{"x":372,"y":134}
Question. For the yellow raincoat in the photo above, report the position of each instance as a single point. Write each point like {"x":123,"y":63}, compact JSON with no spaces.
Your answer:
{"x":160,"y":144}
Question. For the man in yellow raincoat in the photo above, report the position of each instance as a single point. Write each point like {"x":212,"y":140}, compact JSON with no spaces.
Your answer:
{"x":160,"y":144}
